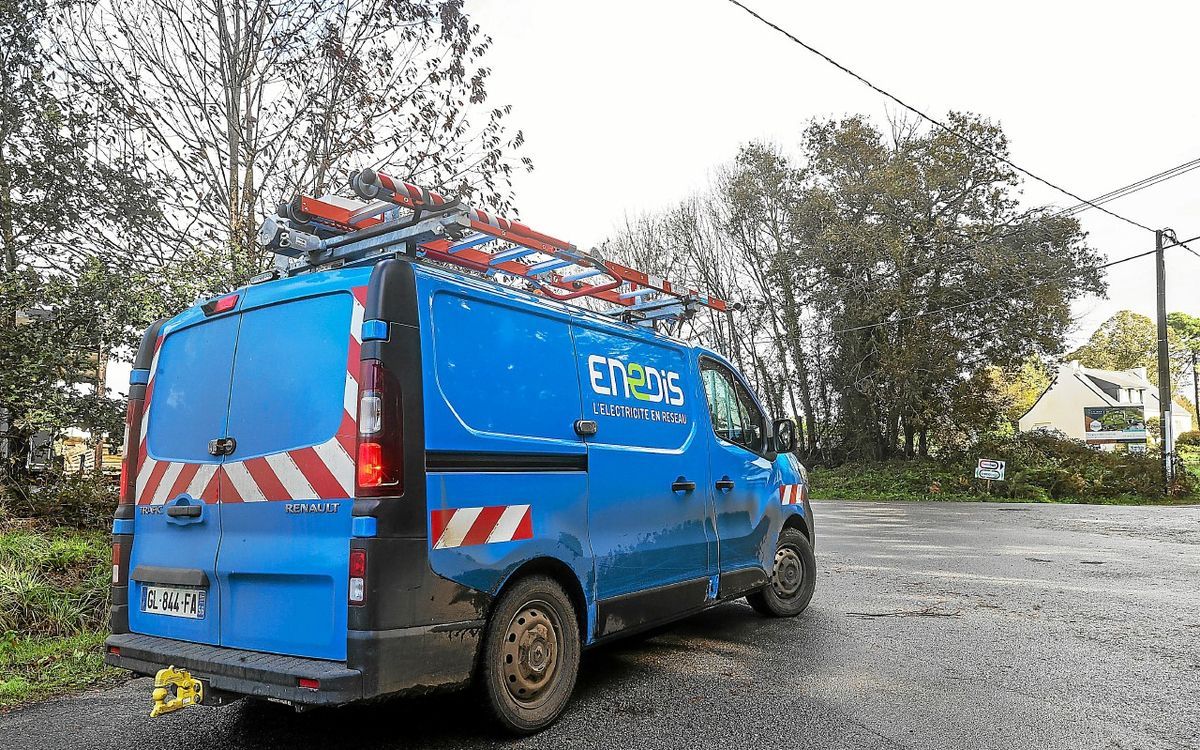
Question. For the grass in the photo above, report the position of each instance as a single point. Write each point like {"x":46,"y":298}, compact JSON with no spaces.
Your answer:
{"x":53,"y":604}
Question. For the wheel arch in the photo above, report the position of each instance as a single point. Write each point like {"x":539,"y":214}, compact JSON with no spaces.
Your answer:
{"x":561,"y":573}
{"x":800,"y":523}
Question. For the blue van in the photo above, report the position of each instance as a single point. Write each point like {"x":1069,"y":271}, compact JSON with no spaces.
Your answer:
{"x":390,"y":477}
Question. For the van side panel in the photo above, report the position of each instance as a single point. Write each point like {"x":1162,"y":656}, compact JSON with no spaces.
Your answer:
{"x":507,"y":474}
{"x":655,"y":545}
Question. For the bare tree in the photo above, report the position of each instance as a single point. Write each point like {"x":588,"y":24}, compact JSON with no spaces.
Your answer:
{"x":246,"y":102}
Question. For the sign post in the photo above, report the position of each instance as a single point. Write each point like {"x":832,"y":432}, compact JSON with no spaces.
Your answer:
{"x":990,"y":469}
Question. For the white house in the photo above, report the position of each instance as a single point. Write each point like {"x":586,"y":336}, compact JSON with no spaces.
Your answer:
{"x":1079,"y":398}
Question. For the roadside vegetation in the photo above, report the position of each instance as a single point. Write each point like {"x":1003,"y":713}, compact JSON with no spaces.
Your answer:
{"x":1040,"y":468}
{"x":54,"y":596}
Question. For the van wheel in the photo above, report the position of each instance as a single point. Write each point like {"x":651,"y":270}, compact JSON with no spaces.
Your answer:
{"x":792,"y":580}
{"x":530,"y":655}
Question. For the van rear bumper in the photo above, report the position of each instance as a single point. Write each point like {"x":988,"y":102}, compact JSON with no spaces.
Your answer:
{"x":245,"y":672}
{"x":406,"y":660}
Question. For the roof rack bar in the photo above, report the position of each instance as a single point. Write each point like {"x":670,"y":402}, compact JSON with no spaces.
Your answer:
{"x":400,"y":216}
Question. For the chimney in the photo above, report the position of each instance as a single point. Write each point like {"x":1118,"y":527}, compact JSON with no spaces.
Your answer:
{"x":1141,"y":372}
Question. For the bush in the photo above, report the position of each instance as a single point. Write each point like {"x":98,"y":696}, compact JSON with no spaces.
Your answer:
{"x":83,"y":501}
{"x":1040,"y":467}
{"x":1191,"y":439}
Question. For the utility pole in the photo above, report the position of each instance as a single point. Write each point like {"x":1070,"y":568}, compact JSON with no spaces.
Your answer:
{"x":1165,"y":400}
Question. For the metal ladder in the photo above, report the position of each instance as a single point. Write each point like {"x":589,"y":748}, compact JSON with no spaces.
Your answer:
{"x":396,"y":218}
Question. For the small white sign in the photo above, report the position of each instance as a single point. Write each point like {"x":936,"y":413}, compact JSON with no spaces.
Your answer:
{"x":990,"y":468}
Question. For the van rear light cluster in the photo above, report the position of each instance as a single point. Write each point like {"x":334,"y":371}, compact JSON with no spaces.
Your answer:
{"x":358,"y":576}
{"x":379,"y":458}
{"x":116,"y":563}
{"x":133,"y":440}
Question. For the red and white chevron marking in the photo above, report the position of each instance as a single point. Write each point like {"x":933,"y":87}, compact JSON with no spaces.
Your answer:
{"x":465,"y":527}
{"x":318,"y":472}
{"x":792,"y":494}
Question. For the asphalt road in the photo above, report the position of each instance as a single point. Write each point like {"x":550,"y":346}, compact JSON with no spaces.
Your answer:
{"x":934,"y":625}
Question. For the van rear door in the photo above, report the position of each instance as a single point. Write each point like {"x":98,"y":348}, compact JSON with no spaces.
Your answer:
{"x":287,"y":489}
{"x":173,"y":589}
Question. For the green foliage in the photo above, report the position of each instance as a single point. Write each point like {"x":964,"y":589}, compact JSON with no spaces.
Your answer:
{"x":54,"y":593}
{"x":1188,"y":439}
{"x":53,"y":583}
{"x":1040,"y":468}
{"x":1128,"y":340}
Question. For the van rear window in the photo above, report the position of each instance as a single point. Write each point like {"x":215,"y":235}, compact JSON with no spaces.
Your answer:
{"x":191,"y":390}
{"x":289,"y":380}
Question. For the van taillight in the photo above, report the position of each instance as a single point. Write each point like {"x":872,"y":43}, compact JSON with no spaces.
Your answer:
{"x":379,"y":458}
{"x":358,"y":576}
{"x":133,"y":439}
{"x":116,"y":563}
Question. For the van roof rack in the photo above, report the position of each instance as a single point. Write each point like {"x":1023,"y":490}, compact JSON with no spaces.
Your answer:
{"x":396,"y":218}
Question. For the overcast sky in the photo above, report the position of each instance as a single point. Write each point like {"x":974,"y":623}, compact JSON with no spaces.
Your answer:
{"x":627,"y":106}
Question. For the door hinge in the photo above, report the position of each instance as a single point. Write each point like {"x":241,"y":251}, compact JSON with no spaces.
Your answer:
{"x":221,"y":446}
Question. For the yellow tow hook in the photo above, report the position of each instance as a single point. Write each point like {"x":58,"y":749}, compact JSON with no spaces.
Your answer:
{"x":188,"y":691}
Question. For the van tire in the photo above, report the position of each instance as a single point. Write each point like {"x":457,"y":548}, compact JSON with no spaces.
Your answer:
{"x":785,"y":596}
{"x":536,"y":612}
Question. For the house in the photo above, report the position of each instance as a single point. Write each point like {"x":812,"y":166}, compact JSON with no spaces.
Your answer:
{"x":1105,"y":408}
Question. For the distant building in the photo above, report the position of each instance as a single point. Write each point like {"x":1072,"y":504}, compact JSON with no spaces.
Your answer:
{"x":1106,"y":408}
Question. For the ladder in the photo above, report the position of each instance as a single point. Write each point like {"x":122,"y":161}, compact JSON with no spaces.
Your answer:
{"x":397,"y":218}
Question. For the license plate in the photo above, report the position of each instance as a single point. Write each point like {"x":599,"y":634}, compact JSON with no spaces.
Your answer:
{"x":174,"y":601}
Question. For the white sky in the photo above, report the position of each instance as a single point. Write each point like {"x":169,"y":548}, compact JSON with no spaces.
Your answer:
{"x":627,"y":106}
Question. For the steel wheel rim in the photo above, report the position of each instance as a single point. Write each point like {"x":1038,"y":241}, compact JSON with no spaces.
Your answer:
{"x":530,"y":651}
{"x":788,"y":576}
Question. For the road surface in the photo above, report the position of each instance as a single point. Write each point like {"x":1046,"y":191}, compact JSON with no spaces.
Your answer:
{"x":934,"y":625}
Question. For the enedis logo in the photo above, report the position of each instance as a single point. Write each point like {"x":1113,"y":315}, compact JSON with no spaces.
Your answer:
{"x":612,"y":377}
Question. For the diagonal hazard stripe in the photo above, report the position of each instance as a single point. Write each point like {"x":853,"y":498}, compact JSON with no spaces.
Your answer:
{"x":508,"y":523}
{"x":264,"y":477}
{"x":318,"y":475}
{"x":165,"y":483}
{"x":288,"y":474}
{"x":485,"y":523}
{"x":243,"y":482}
{"x":148,"y":480}
{"x":200,"y":482}
{"x":339,"y":463}
{"x":457,"y":528}
{"x":183,"y":480}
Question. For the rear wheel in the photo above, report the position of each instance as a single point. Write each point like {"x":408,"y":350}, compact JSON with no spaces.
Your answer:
{"x":530,"y":655}
{"x":792,"y":581}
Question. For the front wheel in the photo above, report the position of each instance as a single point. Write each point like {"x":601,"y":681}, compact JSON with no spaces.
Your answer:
{"x":530,"y":655}
{"x":792,"y":581}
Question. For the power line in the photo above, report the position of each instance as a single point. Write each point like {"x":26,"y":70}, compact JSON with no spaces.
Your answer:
{"x":972,"y":303}
{"x":965,"y":139}
{"x":1135,"y":187}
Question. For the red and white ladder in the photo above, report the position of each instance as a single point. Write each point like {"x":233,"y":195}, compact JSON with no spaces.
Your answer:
{"x":398,"y":218}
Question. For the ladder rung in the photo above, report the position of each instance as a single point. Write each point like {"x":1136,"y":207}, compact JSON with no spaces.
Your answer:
{"x":547,"y":267}
{"x":589,"y":273}
{"x":636,"y":293}
{"x":513,"y":254}
{"x":475,"y":241}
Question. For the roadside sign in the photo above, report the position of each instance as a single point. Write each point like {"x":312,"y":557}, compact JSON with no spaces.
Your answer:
{"x":990,"y":468}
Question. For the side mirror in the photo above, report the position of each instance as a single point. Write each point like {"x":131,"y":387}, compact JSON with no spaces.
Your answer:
{"x":785,"y":435}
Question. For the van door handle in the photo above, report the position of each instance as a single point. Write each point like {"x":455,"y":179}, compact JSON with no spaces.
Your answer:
{"x":184,"y":511}
{"x":725,"y":484}
{"x":683,"y":485}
